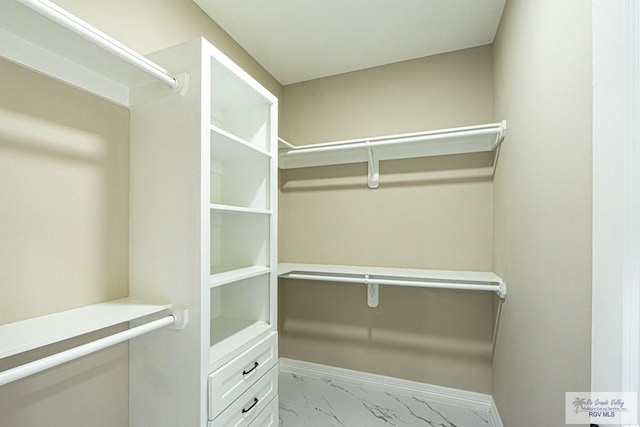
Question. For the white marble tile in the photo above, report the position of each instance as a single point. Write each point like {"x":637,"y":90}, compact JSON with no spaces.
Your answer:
{"x":299,"y":389}
{"x":419,"y":408}
{"x":347,"y":402}
{"x":309,"y":402}
{"x":322,"y":418}
{"x":293,"y":414}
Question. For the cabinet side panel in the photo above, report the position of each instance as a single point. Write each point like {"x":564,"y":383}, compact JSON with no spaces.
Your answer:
{"x":166,"y":246}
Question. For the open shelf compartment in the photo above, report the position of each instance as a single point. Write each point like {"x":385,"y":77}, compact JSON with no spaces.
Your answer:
{"x":239,"y":240}
{"x":239,"y":174}
{"x":240,"y":312}
{"x":239,"y":109}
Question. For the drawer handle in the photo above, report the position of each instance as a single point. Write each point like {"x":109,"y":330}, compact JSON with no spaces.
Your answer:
{"x":255,"y":366}
{"x":255,"y":402}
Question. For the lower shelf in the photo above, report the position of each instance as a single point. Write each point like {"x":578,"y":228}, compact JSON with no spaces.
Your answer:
{"x":373,"y":276}
{"x":229,"y":336}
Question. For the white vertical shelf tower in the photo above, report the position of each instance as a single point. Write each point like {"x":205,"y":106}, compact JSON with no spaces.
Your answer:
{"x":203,"y":235}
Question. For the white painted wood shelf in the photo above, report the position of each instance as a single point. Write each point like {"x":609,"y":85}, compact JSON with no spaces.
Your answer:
{"x":462,"y":140}
{"x":228,"y":147}
{"x":222,"y":275}
{"x":45,"y":38}
{"x":374,"y":276}
{"x":236,"y":210}
{"x":30,"y":334}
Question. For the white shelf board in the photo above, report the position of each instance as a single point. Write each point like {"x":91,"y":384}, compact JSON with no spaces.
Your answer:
{"x":480,"y":277}
{"x":226,"y":147}
{"x":33,"y":333}
{"x":222,"y":275}
{"x":471,"y":139}
{"x":234,"y":210}
{"x":229,"y":335}
{"x":36,"y":42}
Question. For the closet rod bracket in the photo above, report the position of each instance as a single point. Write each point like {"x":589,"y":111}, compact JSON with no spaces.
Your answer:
{"x":181,"y":316}
{"x":182,"y":82}
{"x":502,"y":291}
{"x":372,"y":293}
{"x":373,"y":167}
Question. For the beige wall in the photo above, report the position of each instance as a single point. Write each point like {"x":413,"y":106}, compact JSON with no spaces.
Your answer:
{"x":64,"y":176}
{"x":427,"y":213}
{"x":436,"y":92}
{"x":542,"y":194}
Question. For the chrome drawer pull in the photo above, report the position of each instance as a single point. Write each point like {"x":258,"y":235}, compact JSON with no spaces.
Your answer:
{"x":255,"y":365}
{"x":255,"y":402}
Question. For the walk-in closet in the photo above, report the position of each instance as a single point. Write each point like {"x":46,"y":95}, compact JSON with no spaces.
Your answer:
{"x":308,"y":214}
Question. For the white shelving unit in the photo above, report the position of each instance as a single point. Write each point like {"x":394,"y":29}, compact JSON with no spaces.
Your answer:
{"x":463,"y":140}
{"x":43,"y":37}
{"x":203,"y":234}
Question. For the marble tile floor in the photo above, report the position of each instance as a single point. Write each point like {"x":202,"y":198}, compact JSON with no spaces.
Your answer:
{"x":312,"y":402}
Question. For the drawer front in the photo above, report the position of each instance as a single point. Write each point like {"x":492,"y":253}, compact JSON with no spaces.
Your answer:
{"x":246,"y":409}
{"x":268,"y":417}
{"x":230,"y":381}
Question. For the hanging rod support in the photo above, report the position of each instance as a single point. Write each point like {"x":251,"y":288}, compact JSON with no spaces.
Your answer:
{"x":373,"y":167}
{"x":502,"y":290}
{"x":372,"y":293}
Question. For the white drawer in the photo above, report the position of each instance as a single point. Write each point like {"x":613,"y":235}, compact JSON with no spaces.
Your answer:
{"x":268,"y":417}
{"x":230,"y":381}
{"x":246,"y":409}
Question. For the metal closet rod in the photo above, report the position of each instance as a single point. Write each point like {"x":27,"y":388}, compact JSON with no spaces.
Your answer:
{"x":45,"y":363}
{"x":382,"y":141}
{"x":499,"y":288}
{"x":98,"y":38}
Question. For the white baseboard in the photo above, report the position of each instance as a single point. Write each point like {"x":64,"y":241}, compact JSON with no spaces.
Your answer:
{"x":466,"y":399}
{"x":494,"y":415}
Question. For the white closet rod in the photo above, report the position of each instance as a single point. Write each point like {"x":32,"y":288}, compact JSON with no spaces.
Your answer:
{"x":40,"y":365}
{"x":98,"y":38}
{"x":382,"y":141}
{"x":499,"y":288}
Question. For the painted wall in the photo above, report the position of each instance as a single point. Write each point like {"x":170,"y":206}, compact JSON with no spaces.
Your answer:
{"x":542,"y":193}
{"x":64,"y":176}
{"x":428,"y":213}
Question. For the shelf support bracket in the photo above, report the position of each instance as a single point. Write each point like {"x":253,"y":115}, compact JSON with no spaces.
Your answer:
{"x":372,"y":292}
{"x":373,"y":167}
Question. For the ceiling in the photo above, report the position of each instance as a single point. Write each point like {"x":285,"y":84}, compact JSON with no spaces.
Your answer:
{"x":299,"y":40}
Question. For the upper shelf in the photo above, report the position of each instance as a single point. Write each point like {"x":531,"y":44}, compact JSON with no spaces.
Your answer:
{"x":41,"y":36}
{"x":33,"y":333}
{"x":471,"y":139}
